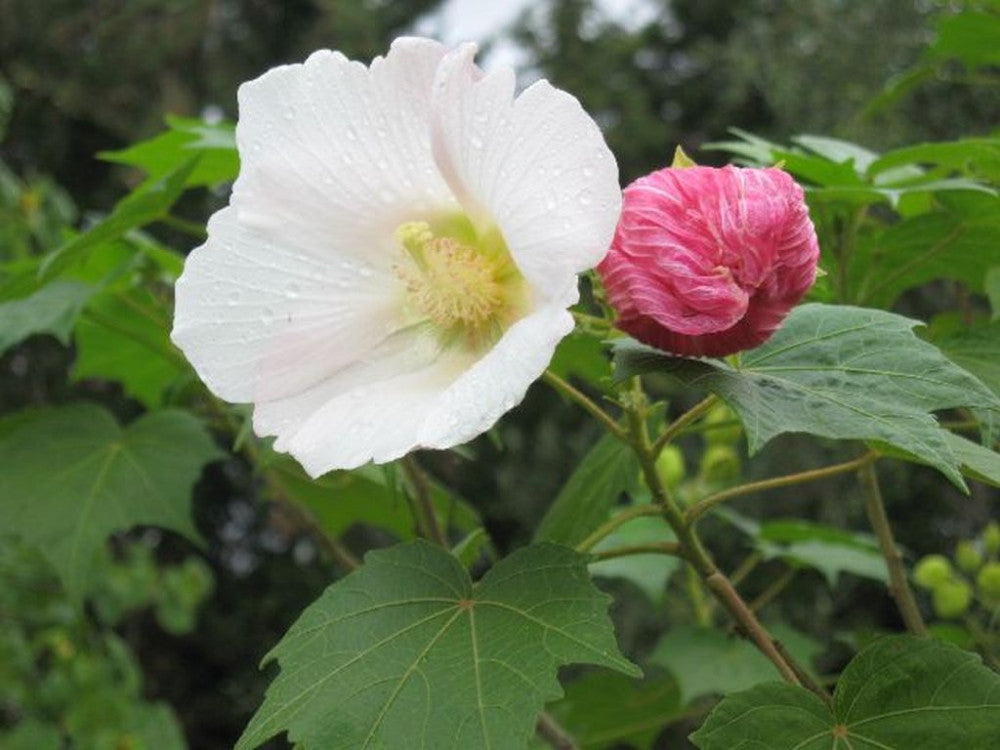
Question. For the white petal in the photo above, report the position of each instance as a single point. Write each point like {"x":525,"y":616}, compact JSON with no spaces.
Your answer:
{"x":408,"y":395}
{"x":538,"y":165}
{"x":259,"y":319}
{"x":337,"y":155}
{"x":496,"y":383}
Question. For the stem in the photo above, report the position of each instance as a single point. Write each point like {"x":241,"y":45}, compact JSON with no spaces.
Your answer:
{"x":704,"y":505}
{"x":702,"y":608}
{"x":899,"y":587}
{"x":746,"y":567}
{"x":190,"y":228}
{"x":423,"y":505}
{"x":583,"y":400}
{"x":675,"y":427}
{"x":549,"y":730}
{"x":609,"y":526}
{"x":768,"y":595}
{"x":695,"y":552}
{"x":653,"y":548}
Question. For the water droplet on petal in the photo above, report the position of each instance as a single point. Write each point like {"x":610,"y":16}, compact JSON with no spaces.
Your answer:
{"x":366,"y":273}
{"x":289,"y":112}
{"x":588,"y":172}
{"x":292,"y":290}
{"x":477,"y":142}
{"x":267,"y":316}
{"x":352,"y":134}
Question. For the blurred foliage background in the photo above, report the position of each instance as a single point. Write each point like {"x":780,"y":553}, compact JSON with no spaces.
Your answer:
{"x":78,"y":78}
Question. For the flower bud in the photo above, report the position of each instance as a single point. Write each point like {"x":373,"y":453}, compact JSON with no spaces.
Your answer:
{"x":670,"y":466}
{"x":991,"y":538}
{"x":932,"y":571}
{"x":730,"y":434}
{"x":720,"y":463}
{"x":988,"y":582}
{"x":967,"y":557}
{"x":706,"y":261}
{"x":951,"y":599}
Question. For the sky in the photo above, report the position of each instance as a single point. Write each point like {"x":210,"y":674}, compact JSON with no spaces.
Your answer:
{"x":479,"y":20}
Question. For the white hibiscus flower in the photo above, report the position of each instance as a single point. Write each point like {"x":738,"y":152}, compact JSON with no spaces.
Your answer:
{"x":401,"y":246}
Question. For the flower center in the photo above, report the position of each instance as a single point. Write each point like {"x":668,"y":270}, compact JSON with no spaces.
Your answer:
{"x":462,"y":282}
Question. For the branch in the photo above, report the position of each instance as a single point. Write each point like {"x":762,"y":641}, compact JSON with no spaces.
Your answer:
{"x":704,"y":505}
{"x":585,"y":401}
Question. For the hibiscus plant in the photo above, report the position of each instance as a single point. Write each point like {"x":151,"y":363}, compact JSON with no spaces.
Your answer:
{"x":407,"y":246}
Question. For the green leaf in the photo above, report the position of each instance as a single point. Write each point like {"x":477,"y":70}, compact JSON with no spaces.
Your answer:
{"x":976,"y":349}
{"x":70,"y":477}
{"x":975,"y":157}
{"x":584,"y":502}
{"x":829,"y":550}
{"x":342,"y":499}
{"x":407,"y":652}
{"x":145,"y":205}
{"x":648,"y":572}
{"x":958,"y":243}
{"x":837,"y":372}
{"x":708,"y":661}
{"x":31,"y":734}
{"x":186,"y":137}
{"x":970,"y":37}
{"x":978,"y":462}
{"x":124,"y":337}
{"x":900,"y":693}
{"x":584,"y":356}
{"x":52,"y":309}
{"x":604,"y":709}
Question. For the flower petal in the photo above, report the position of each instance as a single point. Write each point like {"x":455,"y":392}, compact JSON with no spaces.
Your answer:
{"x":409,"y":395}
{"x":537,"y":165}
{"x":260,"y":319}
{"x":335,"y":155}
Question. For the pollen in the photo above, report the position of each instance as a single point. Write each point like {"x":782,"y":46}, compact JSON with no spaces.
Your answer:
{"x":465,"y":285}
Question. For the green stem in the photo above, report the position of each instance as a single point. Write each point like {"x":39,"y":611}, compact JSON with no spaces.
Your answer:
{"x":190,"y":228}
{"x":695,"y":552}
{"x":423,"y":505}
{"x":769,"y":594}
{"x":899,"y":586}
{"x":653,"y":548}
{"x":675,"y":427}
{"x":704,"y":505}
{"x":612,"y":524}
{"x":583,"y":400}
{"x":696,"y":593}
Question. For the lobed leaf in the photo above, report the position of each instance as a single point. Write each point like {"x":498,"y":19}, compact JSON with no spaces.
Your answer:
{"x":839,"y":372}
{"x":408,"y":652}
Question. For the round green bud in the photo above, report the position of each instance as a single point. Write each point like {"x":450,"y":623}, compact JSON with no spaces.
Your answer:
{"x":951,"y":599}
{"x":931,"y":571}
{"x":991,"y":538}
{"x":670,"y":466}
{"x":967,"y":556}
{"x":720,"y":463}
{"x":988,"y":582}
{"x":730,"y":434}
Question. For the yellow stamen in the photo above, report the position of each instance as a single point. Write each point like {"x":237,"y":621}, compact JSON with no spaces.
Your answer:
{"x":466,"y":286}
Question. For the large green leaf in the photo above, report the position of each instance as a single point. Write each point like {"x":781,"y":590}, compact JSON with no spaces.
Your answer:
{"x":976,"y":349}
{"x":837,"y":372}
{"x":707,"y":661}
{"x":978,"y":462}
{"x":407,"y":652}
{"x":900,"y":693}
{"x":70,"y":477}
{"x":605,"y":709}
{"x":186,"y":137}
{"x":52,"y":309}
{"x":124,"y":337}
{"x":593,"y":489}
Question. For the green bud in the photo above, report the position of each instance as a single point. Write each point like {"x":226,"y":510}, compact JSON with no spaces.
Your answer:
{"x":988,"y":582}
{"x":720,"y":414}
{"x":932,"y":571}
{"x":991,"y":538}
{"x":951,"y":599}
{"x":670,"y":466}
{"x":720,"y":463}
{"x":968,"y":557}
